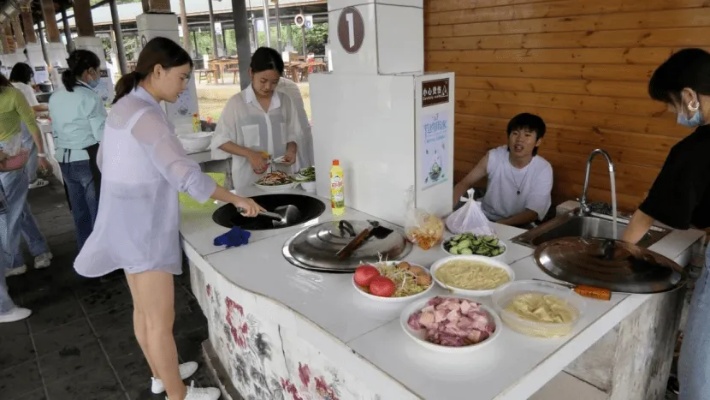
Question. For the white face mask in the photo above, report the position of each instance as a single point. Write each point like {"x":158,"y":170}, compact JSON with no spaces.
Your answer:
{"x":694,"y":121}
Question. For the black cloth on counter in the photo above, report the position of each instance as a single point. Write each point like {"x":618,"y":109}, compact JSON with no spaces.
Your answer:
{"x":680,"y":195}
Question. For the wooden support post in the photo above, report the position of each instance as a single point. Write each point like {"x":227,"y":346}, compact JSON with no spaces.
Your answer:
{"x":50,"y":21}
{"x":83,"y":19}
{"x":156,"y":6}
{"x":17,"y":30}
{"x":10,"y":46}
{"x":28,"y":25}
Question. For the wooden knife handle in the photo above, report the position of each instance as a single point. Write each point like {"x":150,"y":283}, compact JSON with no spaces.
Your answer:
{"x":346,"y":251}
{"x":593,"y":292}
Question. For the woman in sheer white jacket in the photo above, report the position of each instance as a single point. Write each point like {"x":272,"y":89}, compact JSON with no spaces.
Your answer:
{"x":143,"y":167}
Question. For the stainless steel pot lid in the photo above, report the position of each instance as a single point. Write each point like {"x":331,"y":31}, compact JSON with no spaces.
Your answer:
{"x":609,"y":264}
{"x":315,"y":247}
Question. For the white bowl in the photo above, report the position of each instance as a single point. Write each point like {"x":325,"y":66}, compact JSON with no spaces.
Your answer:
{"x":468,"y":292}
{"x":195,"y":142}
{"x":500,"y":256}
{"x":420,"y":335}
{"x":393,"y":299}
{"x":277,"y":188}
{"x":503,"y":296}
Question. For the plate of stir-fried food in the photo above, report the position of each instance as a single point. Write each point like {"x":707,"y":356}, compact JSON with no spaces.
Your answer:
{"x":276,"y":181}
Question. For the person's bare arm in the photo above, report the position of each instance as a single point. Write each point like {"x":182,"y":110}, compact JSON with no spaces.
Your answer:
{"x":524,"y":217}
{"x":477,"y":173}
{"x":41,"y":107}
{"x":638,"y":226}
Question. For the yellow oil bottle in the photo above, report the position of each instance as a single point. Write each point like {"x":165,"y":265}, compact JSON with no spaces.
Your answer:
{"x":337,"y":190}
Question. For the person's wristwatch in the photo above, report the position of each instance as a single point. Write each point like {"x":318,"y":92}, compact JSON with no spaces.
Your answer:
{"x":41,"y":155}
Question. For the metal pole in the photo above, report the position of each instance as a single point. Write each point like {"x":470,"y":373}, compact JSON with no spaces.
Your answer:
{"x":303,"y":35}
{"x":120,"y":50}
{"x":212,"y":32}
{"x":183,"y":23}
{"x":241,"y":33}
{"x":266,"y":23}
{"x":278,"y":27}
{"x":41,"y":41}
{"x":67,"y":30}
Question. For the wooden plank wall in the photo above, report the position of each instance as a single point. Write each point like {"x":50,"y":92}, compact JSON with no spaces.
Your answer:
{"x":583,"y":65}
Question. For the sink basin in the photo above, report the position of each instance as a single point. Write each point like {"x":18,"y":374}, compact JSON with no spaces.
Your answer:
{"x":309,"y":207}
{"x":586,"y":226}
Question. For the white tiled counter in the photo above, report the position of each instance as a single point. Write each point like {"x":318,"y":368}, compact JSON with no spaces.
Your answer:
{"x":280,"y":330}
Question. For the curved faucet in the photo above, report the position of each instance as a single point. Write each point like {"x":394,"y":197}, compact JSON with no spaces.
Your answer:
{"x":584,"y":208}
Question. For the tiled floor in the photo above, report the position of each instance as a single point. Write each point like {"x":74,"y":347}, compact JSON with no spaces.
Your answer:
{"x":79,"y":343}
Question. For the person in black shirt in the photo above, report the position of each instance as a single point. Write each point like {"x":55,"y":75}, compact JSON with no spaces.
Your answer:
{"x":680,"y":198}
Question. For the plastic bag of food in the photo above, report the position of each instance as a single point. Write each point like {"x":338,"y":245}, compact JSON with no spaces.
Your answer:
{"x":422,"y":228}
{"x":469,"y":218}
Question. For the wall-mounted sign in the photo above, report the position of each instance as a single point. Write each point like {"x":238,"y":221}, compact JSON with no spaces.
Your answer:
{"x":434,"y":136}
{"x":435,"y":92}
{"x":299,"y":20}
{"x":351,"y":29}
{"x":309,"y":22}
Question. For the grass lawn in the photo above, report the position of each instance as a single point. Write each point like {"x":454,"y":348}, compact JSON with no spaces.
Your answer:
{"x":212,"y":98}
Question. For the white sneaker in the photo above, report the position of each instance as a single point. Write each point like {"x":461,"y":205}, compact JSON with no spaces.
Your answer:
{"x":16,"y":314}
{"x":15,"y":271}
{"x":194,"y":393}
{"x":186,"y":371}
{"x":43,"y":260}
{"x":38,"y":183}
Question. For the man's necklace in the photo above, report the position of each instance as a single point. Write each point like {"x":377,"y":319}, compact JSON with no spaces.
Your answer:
{"x":512,"y":175}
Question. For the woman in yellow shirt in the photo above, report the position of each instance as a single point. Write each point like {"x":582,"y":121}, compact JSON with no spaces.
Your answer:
{"x":14,"y":184}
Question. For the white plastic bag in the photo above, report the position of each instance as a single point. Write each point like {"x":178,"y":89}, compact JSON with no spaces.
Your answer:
{"x":469,"y":218}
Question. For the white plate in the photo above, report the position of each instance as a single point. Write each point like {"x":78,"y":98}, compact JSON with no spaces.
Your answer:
{"x":419,"y":335}
{"x":277,"y":188}
{"x":467,"y":292}
{"x":393,"y":299}
{"x":500,"y":256}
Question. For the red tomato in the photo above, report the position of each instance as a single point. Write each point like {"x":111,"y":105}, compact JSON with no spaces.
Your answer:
{"x":382,"y":286}
{"x":364,"y":275}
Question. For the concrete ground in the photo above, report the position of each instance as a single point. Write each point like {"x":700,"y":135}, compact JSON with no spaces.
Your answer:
{"x":79,"y":342}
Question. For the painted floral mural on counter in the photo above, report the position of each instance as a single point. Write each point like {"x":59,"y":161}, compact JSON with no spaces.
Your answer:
{"x":264,"y":363}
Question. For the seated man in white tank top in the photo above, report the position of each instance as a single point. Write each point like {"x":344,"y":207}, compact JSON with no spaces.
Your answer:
{"x":519,"y":181}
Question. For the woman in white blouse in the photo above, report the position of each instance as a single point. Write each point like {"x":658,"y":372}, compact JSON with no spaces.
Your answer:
{"x":259,"y":124}
{"x":143,"y":167}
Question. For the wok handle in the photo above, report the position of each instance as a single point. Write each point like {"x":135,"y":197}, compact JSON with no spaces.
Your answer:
{"x":267,"y":214}
{"x":349,"y":248}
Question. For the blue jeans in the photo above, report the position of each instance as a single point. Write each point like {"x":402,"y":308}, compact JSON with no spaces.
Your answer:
{"x":28,"y":225}
{"x":694,"y":361}
{"x":36,"y":242}
{"x":82,"y":197}
{"x":13,"y":195}
{"x":29,"y":143}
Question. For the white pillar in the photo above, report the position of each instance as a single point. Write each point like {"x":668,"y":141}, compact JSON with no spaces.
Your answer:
{"x":37,"y":62}
{"x":378,"y":99}
{"x":166,"y":25}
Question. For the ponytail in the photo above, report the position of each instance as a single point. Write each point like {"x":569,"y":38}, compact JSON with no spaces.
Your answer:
{"x":69,"y":80}
{"x":127,"y":84}
{"x":78,"y":62}
{"x":158,"y":51}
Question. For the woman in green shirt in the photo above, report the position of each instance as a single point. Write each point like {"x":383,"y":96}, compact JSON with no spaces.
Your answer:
{"x":14,"y":184}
